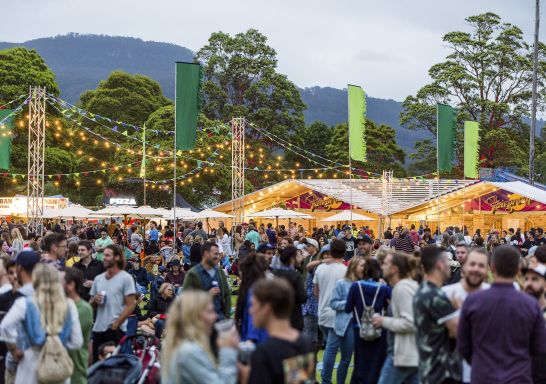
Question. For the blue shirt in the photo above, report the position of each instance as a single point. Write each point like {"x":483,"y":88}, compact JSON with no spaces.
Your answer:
{"x":369,"y":287}
{"x":154,"y":234}
{"x":206,"y":282}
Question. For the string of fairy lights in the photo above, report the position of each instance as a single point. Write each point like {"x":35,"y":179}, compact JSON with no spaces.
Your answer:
{"x":205,"y":162}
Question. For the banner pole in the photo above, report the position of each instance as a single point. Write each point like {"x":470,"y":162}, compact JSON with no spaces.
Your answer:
{"x":174,"y":158}
{"x":144,"y":161}
{"x":438,"y":230}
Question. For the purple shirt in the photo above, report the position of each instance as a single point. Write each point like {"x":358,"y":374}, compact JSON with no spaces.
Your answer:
{"x":499,"y":330}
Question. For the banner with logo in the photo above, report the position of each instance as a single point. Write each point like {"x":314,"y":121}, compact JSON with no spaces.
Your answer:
{"x":502,"y":201}
{"x":316,"y":201}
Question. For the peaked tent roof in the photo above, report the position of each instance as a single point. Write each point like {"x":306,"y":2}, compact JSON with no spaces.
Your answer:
{"x":366,"y":193}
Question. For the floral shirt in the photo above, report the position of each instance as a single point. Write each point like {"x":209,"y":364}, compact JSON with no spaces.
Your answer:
{"x":438,"y":358}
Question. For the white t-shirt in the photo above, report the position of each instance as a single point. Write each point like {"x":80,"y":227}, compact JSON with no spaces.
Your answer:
{"x":326,"y":276}
{"x":457,"y":291}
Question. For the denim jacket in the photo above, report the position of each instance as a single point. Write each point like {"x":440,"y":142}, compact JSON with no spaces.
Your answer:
{"x":337,"y":303}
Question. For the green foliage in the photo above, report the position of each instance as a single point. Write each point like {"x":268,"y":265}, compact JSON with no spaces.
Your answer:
{"x":314,"y":138}
{"x":424,"y":158}
{"x":125,"y":97}
{"x":487,"y":76}
{"x":21,"y":68}
{"x":382,"y":151}
{"x":241,"y":81}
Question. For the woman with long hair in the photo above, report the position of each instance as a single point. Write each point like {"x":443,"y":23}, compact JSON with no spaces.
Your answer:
{"x":187,"y":355}
{"x":343,"y":336}
{"x":251,"y":269}
{"x":17,"y":243}
{"x":72,"y":255}
{"x":238,"y":239}
{"x":225,"y":241}
{"x":369,"y":355}
{"x":48,"y":312}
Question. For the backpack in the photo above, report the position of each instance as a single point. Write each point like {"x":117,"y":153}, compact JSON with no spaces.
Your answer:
{"x":54,"y":364}
{"x":367,"y":331}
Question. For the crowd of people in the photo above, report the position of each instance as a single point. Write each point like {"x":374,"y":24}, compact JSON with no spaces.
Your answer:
{"x":261,"y":304}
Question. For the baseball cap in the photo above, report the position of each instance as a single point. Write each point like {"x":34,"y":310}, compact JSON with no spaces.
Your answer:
{"x":326,"y":248}
{"x":265,"y":247}
{"x":175,"y":262}
{"x":365,"y":238}
{"x":539,"y":269}
{"x":27,"y":258}
{"x":312,"y":242}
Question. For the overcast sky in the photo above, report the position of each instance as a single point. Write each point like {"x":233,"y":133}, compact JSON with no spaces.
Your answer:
{"x":386,"y":46}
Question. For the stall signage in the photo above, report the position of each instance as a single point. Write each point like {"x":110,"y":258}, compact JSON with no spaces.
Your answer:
{"x":122,"y":201}
{"x":317,"y":201}
{"x":13,"y":206}
{"x":502,"y":201}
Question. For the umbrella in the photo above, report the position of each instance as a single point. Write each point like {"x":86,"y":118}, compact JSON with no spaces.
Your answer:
{"x":181,"y":213}
{"x":346,"y":216}
{"x":73,"y":212}
{"x":212,"y":214}
{"x":114,"y":211}
{"x":279,"y":213}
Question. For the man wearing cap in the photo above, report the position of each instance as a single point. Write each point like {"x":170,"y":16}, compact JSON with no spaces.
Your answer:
{"x":364,"y":246}
{"x":175,"y":276}
{"x":269,"y":252}
{"x":534,"y":285}
{"x":350,"y":242}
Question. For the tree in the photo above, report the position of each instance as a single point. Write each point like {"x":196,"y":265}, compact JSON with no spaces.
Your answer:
{"x":240,"y":80}
{"x":125,"y":97}
{"x":487,"y":76}
{"x":21,"y":68}
{"x":313,"y":138}
{"x":424,"y":158}
{"x":382,"y":151}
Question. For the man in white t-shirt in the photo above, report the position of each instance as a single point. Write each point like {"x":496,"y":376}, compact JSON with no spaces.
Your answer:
{"x":324,"y":282}
{"x":473,"y":275}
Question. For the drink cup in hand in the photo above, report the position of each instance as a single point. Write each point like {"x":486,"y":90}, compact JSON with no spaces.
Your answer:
{"x":227,"y":334}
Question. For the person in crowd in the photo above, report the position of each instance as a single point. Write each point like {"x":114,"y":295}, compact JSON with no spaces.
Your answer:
{"x":90,"y":267}
{"x":252,"y":268}
{"x":435,"y":319}
{"x":106,"y":350}
{"x":72,"y":255}
{"x":263,"y":236}
{"x":198,"y":231}
{"x":460,"y":253}
{"x":395,"y":236}
{"x":140,"y":274}
{"x":6,"y":301}
{"x":286,"y":353}
{"x":186,"y":248}
{"x":268,"y":252}
{"x":207,"y":276}
{"x":73,"y":235}
{"x":113,"y":296}
{"x":271,"y":235}
{"x":287,"y":271}
{"x":101,"y":243}
{"x":364,"y":246}
{"x":342,"y":336}
{"x":253,"y":236}
{"x":175,"y":275}
{"x":47,"y":312}
{"x":427,"y":237}
{"x":324,"y":281}
{"x":225,"y":241}
{"x":166,"y":250}
{"x":187,"y":355}
{"x":501,"y":351}
{"x":367,"y":297}
{"x":5,"y":250}
{"x":404,"y":243}
{"x":401,"y":364}
{"x":535,"y":285}
{"x":473,"y":276}
{"x":17,"y":242}
{"x":238,"y":239}
{"x":195,"y":250}
{"x":73,"y":280}
{"x":159,"y":306}
{"x":136,"y":240}
{"x":350,"y":243}
{"x":54,"y":247}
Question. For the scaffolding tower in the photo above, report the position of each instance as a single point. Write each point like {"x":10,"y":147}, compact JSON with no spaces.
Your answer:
{"x":36,"y":158}
{"x":386,"y":198}
{"x":238,"y":169}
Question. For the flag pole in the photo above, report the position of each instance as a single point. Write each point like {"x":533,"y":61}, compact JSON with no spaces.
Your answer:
{"x":143,"y":166}
{"x":438,"y":230}
{"x":174,"y":158}
{"x":350,"y":163}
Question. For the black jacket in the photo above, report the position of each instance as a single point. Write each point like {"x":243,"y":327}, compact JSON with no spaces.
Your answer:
{"x":300,"y":295}
{"x":159,"y":306}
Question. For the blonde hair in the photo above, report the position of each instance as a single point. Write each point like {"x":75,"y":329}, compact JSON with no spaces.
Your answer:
{"x":184,"y":323}
{"x":49,"y":297}
{"x":16,"y":234}
{"x":163,"y":287}
{"x":351,"y":268}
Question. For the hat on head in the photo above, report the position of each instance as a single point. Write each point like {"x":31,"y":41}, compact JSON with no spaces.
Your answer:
{"x":312,"y":242}
{"x":28,"y":258}
{"x":324,"y":249}
{"x":365,"y":238}
{"x":175,"y":262}
{"x":265,"y":247}
{"x":539,"y":269}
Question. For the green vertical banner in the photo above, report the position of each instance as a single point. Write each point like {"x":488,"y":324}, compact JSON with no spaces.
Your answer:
{"x":188,"y":84}
{"x":6,"y":127}
{"x":357,"y":121}
{"x":446,"y":124}
{"x":471,"y":149}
